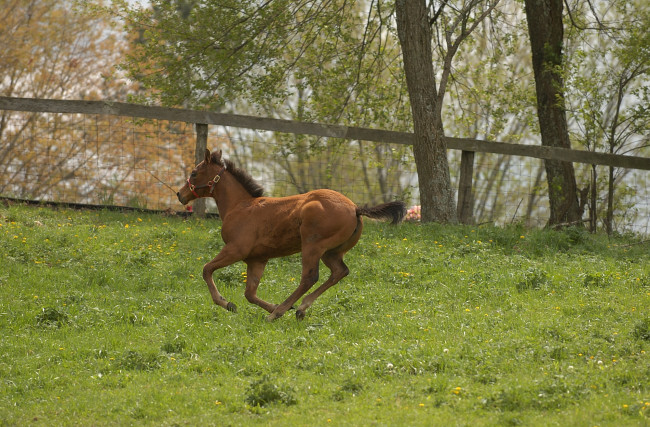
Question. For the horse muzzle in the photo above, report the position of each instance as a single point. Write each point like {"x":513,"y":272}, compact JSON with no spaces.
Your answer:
{"x":182,"y":199}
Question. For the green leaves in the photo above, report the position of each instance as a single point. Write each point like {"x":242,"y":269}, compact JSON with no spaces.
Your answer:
{"x":339,"y":57}
{"x":266,"y":391}
{"x":51,"y":316}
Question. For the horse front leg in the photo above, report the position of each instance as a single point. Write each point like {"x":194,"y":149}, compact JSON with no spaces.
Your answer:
{"x":224,"y":258}
{"x":253,"y":275}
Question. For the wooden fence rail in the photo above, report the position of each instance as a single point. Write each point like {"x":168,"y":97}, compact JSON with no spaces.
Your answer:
{"x":204,"y":118}
{"x":318,"y":129}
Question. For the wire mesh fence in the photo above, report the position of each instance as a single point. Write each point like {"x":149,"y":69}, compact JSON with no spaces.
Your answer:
{"x":120,"y":161}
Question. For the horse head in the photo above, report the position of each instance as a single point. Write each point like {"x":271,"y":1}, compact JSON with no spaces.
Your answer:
{"x":203,"y":178}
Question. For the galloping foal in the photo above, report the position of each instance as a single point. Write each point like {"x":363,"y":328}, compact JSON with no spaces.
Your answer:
{"x":323,"y":224}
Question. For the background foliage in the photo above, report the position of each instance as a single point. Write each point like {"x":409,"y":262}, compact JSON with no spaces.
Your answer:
{"x":333,"y":62}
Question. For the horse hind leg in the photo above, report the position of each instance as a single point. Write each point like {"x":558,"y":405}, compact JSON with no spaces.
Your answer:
{"x":310,"y":260}
{"x":333,"y":261}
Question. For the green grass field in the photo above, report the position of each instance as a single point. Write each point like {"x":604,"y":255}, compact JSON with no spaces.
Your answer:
{"x":105,"y":320}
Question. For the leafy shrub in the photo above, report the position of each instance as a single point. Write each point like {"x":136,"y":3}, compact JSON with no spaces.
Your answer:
{"x":599,"y":280}
{"x":134,"y":360}
{"x":51,"y":316}
{"x":177,"y":345}
{"x":265,"y":391}
{"x":351,"y":387}
{"x":642,"y":330}
{"x":576,"y":235}
{"x":533,"y":279}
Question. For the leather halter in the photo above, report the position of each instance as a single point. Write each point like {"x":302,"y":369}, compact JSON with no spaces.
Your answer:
{"x":210,"y":183}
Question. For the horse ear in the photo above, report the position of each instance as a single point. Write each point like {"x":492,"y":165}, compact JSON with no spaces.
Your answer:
{"x":207,"y":158}
{"x":216,"y":157}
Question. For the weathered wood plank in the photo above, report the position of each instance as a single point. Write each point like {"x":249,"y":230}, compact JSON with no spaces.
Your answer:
{"x":465,"y":200}
{"x":553,"y":153}
{"x":199,"y":155}
{"x":317,"y":129}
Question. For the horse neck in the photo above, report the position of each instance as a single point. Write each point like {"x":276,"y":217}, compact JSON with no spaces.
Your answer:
{"x":229,"y":193}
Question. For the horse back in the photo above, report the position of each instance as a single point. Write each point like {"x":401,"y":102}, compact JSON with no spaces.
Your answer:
{"x":269,"y":227}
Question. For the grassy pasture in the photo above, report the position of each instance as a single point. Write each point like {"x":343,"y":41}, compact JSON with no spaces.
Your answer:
{"x":105,"y":320}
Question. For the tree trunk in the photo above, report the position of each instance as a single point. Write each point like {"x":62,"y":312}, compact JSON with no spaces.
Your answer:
{"x":429,"y":148}
{"x":546,"y":33}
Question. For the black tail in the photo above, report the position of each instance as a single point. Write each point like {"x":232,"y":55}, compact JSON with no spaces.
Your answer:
{"x":394,"y":211}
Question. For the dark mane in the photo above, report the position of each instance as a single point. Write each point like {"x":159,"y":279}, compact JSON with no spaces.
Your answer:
{"x":252,"y":186}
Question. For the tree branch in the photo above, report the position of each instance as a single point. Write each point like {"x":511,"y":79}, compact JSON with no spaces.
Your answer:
{"x":437,"y":14}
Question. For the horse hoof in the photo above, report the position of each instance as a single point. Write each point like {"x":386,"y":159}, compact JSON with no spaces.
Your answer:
{"x":271,"y":317}
{"x":231,"y":307}
{"x":300,"y":315}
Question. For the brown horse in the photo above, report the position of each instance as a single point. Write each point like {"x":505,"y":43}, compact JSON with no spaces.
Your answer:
{"x":323,"y":224}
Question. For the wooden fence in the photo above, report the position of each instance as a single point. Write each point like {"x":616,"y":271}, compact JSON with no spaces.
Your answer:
{"x":202,"y":119}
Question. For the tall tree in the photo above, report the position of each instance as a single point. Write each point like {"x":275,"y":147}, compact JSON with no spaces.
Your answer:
{"x":546,"y":32}
{"x":415,"y":19}
{"x":429,"y":148}
{"x":488,"y":99}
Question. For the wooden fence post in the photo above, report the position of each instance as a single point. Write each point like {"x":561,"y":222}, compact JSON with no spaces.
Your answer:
{"x":593,"y":218}
{"x":198,"y":207}
{"x":465,"y":198}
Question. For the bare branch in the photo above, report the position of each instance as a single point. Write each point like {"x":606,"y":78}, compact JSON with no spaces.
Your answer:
{"x":437,"y":14}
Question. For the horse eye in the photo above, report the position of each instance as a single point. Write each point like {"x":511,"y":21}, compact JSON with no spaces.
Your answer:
{"x":193,"y":174}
